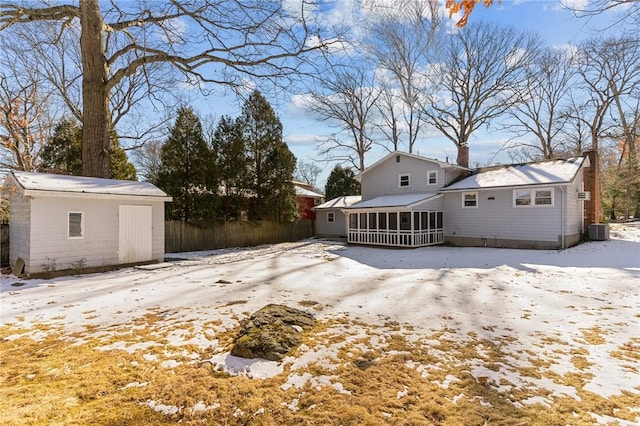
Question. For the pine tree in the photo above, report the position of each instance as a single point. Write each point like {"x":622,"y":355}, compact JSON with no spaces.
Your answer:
{"x":186,"y":172}
{"x":341,"y":181}
{"x":63,"y":153}
{"x":231,"y":164}
{"x":270,"y":163}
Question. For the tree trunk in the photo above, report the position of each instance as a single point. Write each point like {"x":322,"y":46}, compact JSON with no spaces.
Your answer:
{"x":96,"y":117}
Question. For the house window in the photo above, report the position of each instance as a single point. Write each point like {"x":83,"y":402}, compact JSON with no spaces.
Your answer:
{"x":432,"y":178}
{"x":397,"y":158}
{"x":522,"y":198}
{"x":404,"y":181}
{"x":330,"y":217}
{"x":469,"y":199}
{"x":543,"y":198}
{"x":533,"y":197}
{"x":76,"y":225}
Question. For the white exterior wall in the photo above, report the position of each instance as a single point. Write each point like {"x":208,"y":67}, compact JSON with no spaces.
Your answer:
{"x":19,"y":228}
{"x":434,"y":205}
{"x":336,"y":228}
{"x":498,"y":219}
{"x":52,"y":249}
{"x":575,"y":207}
{"x":384,"y":178}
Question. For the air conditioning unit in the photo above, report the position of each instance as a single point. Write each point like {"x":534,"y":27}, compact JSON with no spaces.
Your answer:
{"x":599,"y":231}
{"x":584,"y":196}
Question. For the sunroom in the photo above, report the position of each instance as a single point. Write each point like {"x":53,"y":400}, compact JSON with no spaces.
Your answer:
{"x":410,"y":220}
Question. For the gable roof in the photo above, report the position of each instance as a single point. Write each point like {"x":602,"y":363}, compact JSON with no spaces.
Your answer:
{"x":43,"y":183}
{"x":442,"y":164}
{"x":551,"y":172}
{"x":304,"y":192}
{"x":339,"y":202}
{"x":399,"y":200}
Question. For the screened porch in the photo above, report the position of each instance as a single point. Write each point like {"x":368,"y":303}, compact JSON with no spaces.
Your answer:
{"x":396,"y":228}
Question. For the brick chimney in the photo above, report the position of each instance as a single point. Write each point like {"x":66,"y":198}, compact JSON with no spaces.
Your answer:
{"x":463,"y":155}
{"x":591,"y":175}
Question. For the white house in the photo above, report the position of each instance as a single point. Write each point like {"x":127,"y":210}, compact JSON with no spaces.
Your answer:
{"x":401,"y":201}
{"x":413,"y":201}
{"x":331,"y":218}
{"x":62,"y":222}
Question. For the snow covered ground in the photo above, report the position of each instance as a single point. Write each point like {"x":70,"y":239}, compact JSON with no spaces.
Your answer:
{"x":586,"y":298}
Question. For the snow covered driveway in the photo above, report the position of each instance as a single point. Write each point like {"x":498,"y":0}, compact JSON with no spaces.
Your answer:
{"x":580,"y":304}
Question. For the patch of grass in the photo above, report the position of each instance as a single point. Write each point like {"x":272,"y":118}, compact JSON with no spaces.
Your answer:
{"x":593,"y":335}
{"x":403,"y":382}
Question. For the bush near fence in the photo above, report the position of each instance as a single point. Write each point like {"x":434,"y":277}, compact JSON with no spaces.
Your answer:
{"x":181,"y":236}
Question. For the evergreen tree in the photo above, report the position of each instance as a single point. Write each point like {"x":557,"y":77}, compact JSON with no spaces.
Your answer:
{"x":63,"y":153}
{"x":231,"y":165}
{"x":341,"y":181}
{"x":270,"y":163}
{"x":186,"y":172}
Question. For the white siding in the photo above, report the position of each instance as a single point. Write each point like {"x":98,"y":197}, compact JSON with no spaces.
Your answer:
{"x":497,"y":218}
{"x":434,"y":205}
{"x":19,"y":228}
{"x":575,"y":207}
{"x":384,"y":178}
{"x":336,"y":228}
{"x":51,"y":249}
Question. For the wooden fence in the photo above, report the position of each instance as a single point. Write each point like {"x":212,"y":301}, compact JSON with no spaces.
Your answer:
{"x":4,"y":244}
{"x":180,"y":236}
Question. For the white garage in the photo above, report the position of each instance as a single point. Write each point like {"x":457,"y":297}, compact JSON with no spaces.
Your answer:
{"x":67,"y":223}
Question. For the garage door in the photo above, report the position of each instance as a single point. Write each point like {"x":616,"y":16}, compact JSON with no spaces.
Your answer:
{"x":135,"y":235}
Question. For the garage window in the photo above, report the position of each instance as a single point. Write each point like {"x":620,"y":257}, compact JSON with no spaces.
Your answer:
{"x":330,"y":217}
{"x":76,"y":225}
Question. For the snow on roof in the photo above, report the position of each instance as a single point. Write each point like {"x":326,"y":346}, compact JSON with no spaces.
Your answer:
{"x":540,"y":173}
{"x":401,"y":200}
{"x":304,"y":192}
{"x":340,"y":202}
{"x":81,"y":184}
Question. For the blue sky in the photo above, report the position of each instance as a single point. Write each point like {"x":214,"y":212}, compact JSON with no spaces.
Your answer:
{"x":557,"y":26}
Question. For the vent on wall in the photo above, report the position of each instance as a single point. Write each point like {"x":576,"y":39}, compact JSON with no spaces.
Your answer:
{"x":584,"y":195}
{"x":599,"y":231}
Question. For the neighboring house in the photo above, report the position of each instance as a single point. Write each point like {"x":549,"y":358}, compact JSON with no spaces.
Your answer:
{"x":78,"y":223}
{"x":413,"y":201}
{"x":306,"y":200}
{"x":331,"y":218}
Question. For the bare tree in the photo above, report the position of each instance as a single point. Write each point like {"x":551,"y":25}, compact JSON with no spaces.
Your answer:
{"x":307,"y":171}
{"x":477,"y":79}
{"x":401,"y":45}
{"x":26,"y":120}
{"x":629,"y":10}
{"x":125,"y":46}
{"x":345,"y":98}
{"x":610,"y":72}
{"x":540,"y":111}
{"x":147,"y":160}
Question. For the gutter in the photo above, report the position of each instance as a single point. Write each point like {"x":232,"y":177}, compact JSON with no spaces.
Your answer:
{"x":563,"y":215}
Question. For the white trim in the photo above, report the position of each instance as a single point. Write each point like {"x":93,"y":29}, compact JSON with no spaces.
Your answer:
{"x":331,"y":217}
{"x":36,"y":193}
{"x":400,"y":176}
{"x":532,"y":197}
{"x":475,"y":194}
{"x":75,"y":237}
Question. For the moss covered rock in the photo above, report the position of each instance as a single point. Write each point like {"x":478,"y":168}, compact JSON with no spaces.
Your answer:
{"x":272,"y":332}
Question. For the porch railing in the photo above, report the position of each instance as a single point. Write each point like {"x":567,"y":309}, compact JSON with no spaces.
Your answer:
{"x":385,"y":237}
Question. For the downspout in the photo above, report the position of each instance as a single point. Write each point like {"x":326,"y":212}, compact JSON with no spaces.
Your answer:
{"x":564,"y":216}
